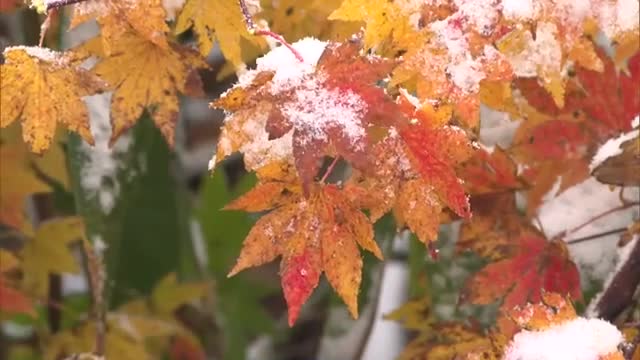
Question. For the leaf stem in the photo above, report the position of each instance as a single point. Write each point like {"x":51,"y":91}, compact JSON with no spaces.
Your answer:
{"x":253,"y":29}
{"x":330,"y":169}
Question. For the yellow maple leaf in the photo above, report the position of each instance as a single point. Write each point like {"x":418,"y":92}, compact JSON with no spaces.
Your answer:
{"x":219,"y":20}
{"x":146,"y":17}
{"x":19,"y":181}
{"x":47,"y":252}
{"x":385,"y":22}
{"x":168,"y":294}
{"x":42,"y":88}
{"x":145,"y":76}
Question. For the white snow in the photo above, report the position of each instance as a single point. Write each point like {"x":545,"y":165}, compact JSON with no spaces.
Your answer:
{"x":317,"y":109}
{"x":612,"y":146}
{"x":99,"y":171}
{"x":542,"y":55}
{"x":40,"y":53}
{"x":577,"y":339}
{"x":289,"y":71}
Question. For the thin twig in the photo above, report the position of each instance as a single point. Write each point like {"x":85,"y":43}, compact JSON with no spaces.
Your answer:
{"x":253,"y":29}
{"x":330,"y":169}
{"x":598,"y":235}
{"x":95,"y":267}
{"x":600,"y":216}
{"x":46,"y":24}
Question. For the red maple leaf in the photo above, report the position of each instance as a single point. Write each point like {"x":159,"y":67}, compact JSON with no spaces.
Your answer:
{"x":536,"y":265}
{"x":437,"y":151}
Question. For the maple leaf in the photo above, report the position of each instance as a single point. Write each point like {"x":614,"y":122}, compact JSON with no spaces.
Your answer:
{"x":168,"y":295}
{"x":146,"y":17}
{"x":19,"y":181}
{"x":436,"y":151}
{"x":327,"y":104}
{"x":385,"y":22}
{"x":145,"y":76}
{"x":495,"y":222}
{"x":622,"y":169}
{"x":435,"y":341}
{"x":489,"y":172}
{"x":9,"y":5}
{"x":42,"y":88}
{"x":219,"y":20}
{"x":47,"y":252}
{"x":534,"y":266}
{"x":315,"y":234}
{"x":448,"y":68}
{"x":125,"y":338}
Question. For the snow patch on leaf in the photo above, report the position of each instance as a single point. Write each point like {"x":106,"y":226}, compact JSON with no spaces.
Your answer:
{"x":612,"y":147}
{"x":577,"y":339}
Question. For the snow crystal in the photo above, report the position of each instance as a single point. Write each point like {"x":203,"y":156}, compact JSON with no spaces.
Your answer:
{"x":99,"y":172}
{"x":612,"y":147}
{"x":577,"y":339}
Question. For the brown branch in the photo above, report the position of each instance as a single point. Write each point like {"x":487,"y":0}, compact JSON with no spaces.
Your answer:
{"x":619,"y":294}
{"x":330,"y":169}
{"x":596,"y":236}
{"x":95,"y":268}
{"x":253,"y":29}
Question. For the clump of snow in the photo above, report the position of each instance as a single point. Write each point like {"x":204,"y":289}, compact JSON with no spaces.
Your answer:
{"x":100,"y":169}
{"x":520,"y":9}
{"x":612,"y":147}
{"x":577,"y":339}
{"x":289,"y":71}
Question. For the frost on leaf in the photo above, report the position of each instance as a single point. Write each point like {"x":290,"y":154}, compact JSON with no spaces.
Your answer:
{"x":320,"y":233}
{"x":41,"y":88}
{"x":116,"y":17}
{"x":145,"y":76}
{"x":328,"y":103}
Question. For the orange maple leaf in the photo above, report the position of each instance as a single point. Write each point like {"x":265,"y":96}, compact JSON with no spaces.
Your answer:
{"x":314,"y":234}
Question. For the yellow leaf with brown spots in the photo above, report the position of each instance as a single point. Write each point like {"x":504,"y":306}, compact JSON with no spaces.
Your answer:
{"x":42,"y":88}
{"x":145,"y":76}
